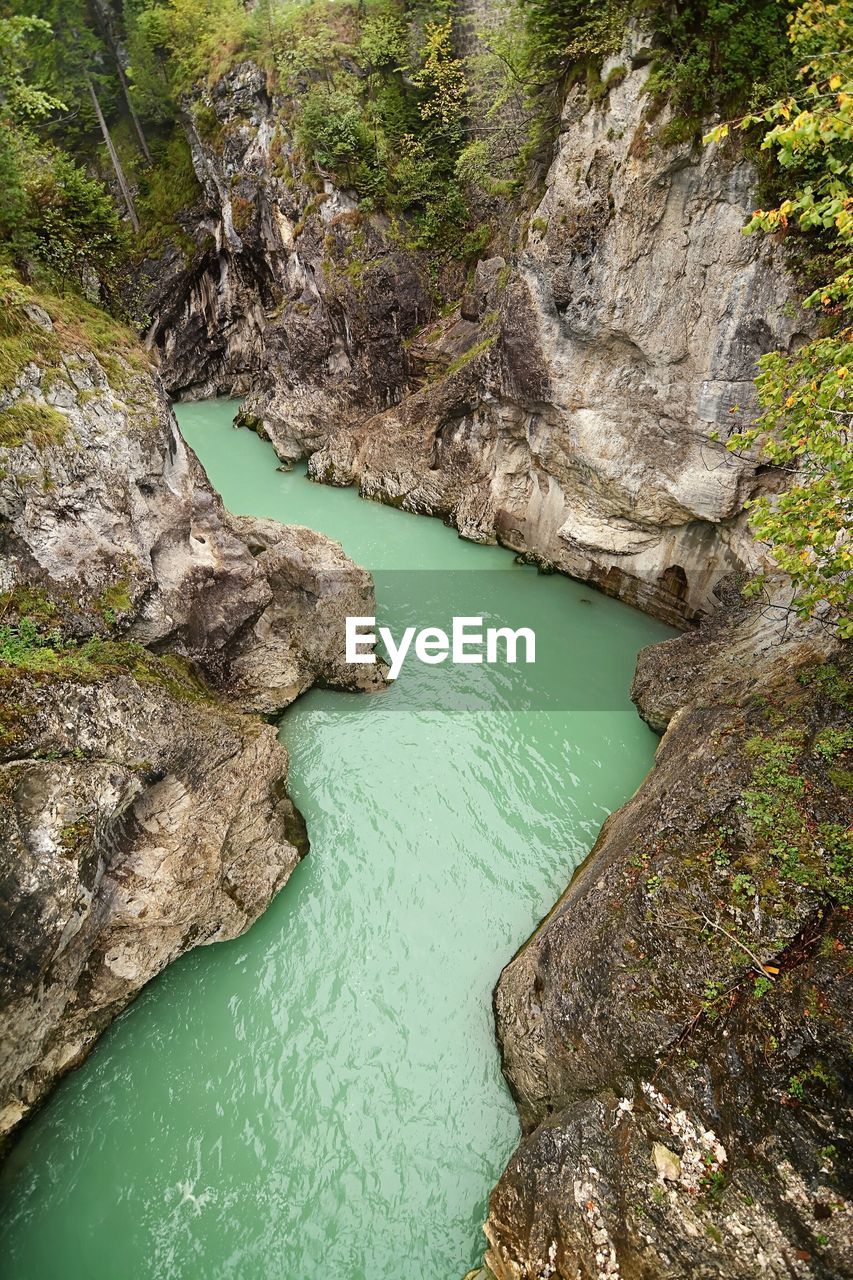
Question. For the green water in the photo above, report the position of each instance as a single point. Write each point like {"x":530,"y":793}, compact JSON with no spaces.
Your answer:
{"x":322,"y":1099}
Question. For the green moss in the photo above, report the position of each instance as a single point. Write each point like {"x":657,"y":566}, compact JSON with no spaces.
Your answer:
{"x":27,"y":649}
{"x":25,"y":420}
{"x":75,"y":835}
{"x":778,"y":804}
{"x":680,"y":129}
{"x":28,"y":602}
{"x":251,"y":422}
{"x":114,"y":600}
{"x":465,"y":359}
{"x":615,"y":77}
{"x":170,"y":187}
{"x":77,"y":327}
{"x":829,"y":680}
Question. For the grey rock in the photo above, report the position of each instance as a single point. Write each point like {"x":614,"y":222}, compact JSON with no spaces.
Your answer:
{"x":143,"y":812}
{"x":627,"y":337}
{"x":631,"y":1021}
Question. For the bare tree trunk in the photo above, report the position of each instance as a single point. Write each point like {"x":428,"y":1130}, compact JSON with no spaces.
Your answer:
{"x":113,"y":154}
{"x":103,"y":19}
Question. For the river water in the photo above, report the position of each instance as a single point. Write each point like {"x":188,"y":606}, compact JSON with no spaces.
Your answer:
{"x":322,"y":1099}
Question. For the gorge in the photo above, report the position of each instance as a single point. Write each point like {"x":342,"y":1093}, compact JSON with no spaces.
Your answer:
{"x":556,"y":382}
{"x":324,"y":1092}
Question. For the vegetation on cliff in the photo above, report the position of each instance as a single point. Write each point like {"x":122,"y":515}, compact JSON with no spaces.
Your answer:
{"x":805,"y":396}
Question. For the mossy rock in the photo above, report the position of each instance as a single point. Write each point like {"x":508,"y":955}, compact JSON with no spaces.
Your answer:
{"x":29,"y":420}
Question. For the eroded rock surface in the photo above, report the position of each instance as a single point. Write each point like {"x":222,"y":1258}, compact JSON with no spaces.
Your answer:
{"x":143,"y":812}
{"x":674,"y":1031}
{"x":292,"y":294}
{"x":140,"y":817}
{"x":579,"y":425}
{"x":567,"y":409}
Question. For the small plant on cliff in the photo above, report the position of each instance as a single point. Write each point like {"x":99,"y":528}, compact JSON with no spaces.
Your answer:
{"x":26,"y":420}
{"x":806,"y":400}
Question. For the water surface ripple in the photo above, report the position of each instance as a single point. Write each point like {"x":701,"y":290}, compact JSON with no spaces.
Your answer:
{"x":322,"y":1098}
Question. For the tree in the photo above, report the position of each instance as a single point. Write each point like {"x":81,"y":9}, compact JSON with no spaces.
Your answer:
{"x":807,"y":407}
{"x":21,"y":100}
{"x":103,"y":18}
{"x":441,"y":77}
{"x":54,"y":219}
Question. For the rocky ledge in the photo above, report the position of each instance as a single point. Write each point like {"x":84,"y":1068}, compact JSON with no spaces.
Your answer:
{"x":675,"y":1032}
{"x":144,"y":811}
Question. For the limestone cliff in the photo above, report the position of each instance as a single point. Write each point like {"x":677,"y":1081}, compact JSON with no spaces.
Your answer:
{"x":144,"y":812}
{"x":577,"y":418}
{"x":293,"y":294}
{"x":673,"y":1033}
{"x":568,"y":408}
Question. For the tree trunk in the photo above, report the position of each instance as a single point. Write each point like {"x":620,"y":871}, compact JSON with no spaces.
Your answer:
{"x":103,"y":20}
{"x":113,"y":154}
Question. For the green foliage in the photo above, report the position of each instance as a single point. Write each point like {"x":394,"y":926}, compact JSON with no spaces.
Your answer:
{"x":717,"y":52}
{"x":379,"y":103}
{"x":832,"y":743}
{"x":71,"y":232}
{"x":819,"y":857}
{"x":28,"y":420}
{"x":27,"y":648}
{"x":806,"y":415}
{"x":562,"y":32}
{"x":333,"y":129}
{"x":384,"y":43}
{"x":168,"y":188}
{"x":76,"y":326}
{"x":441,"y":77}
{"x":56,"y":221}
{"x":175,"y":44}
{"x":803,"y":428}
{"x":23,"y":98}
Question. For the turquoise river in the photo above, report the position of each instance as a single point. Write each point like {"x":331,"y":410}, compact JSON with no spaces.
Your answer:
{"x":322,"y":1099}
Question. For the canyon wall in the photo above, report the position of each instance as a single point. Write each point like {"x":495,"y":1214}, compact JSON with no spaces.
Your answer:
{"x":568,"y":408}
{"x":144,"y":811}
{"x":673,"y":1033}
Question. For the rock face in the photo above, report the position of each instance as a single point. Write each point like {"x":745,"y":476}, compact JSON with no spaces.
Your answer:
{"x":685,"y":1108}
{"x":579,"y":425}
{"x":140,"y":818}
{"x":143,"y":812}
{"x":568,"y":409}
{"x":293,"y":294}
